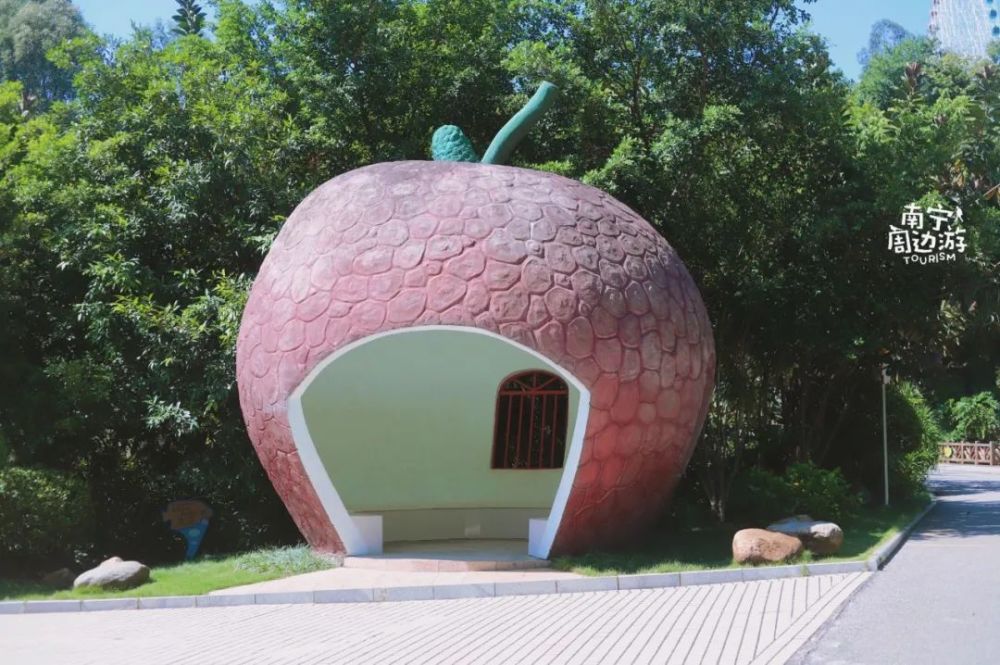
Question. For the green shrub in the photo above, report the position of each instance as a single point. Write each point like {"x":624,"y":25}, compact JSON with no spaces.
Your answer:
{"x":46,"y":518}
{"x":761,"y":496}
{"x":908,"y":469}
{"x":282,"y":560}
{"x":914,"y":433}
{"x":822,"y":493}
{"x":975,"y":418}
{"x":246,"y":512}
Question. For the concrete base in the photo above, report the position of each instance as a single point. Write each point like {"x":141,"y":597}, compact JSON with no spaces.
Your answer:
{"x":434,"y":556}
{"x":370,"y":529}
{"x":538,"y":546}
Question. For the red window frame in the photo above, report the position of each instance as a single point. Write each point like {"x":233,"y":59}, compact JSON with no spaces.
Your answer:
{"x":530,"y":425}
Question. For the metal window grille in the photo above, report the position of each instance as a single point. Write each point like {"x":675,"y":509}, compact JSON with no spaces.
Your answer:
{"x":530,"y":429}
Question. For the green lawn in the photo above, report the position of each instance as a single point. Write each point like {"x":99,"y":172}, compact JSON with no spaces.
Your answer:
{"x":711,"y":546}
{"x":198,"y":577}
{"x":692,"y":549}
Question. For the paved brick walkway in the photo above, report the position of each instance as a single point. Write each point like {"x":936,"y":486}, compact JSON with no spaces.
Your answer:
{"x":363,"y":578}
{"x":748,"y":622}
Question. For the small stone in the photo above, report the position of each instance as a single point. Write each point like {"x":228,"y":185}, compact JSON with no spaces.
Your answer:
{"x":756,"y":546}
{"x":817,"y":536}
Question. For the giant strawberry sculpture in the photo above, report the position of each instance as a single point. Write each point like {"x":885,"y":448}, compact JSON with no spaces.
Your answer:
{"x":532,"y":260}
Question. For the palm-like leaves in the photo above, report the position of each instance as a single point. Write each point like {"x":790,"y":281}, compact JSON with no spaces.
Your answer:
{"x":189,"y":19}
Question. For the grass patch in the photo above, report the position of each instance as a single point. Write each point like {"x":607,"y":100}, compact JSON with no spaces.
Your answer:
{"x":186,"y":579}
{"x":710,"y":547}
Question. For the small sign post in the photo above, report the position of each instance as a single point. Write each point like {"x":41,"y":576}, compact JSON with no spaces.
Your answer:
{"x":885,"y":434}
{"x":189,"y":517}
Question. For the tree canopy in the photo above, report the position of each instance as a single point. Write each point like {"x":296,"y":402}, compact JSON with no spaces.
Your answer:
{"x":28,"y":30}
{"x":137,"y":203}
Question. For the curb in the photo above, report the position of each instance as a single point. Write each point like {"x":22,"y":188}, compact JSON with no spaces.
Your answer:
{"x":440,"y":591}
{"x":476,"y":590}
{"x":884,"y":554}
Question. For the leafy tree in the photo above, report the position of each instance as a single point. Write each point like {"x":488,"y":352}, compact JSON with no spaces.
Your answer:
{"x":134,"y":217}
{"x":395,"y":71}
{"x":28,"y":30}
{"x":884,"y":75}
{"x":750,"y":157}
{"x":149,"y":206}
{"x":885,"y":36}
{"x":189,"y":19}
{"x":976,"y":418}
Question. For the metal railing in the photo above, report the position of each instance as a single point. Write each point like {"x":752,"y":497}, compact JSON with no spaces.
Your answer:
{"x":964,"y":452}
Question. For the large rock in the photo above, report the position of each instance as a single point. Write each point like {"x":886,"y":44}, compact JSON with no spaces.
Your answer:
{"x":818,"y":536}
{"x":762,"y":546}
{"x":114,"y":574}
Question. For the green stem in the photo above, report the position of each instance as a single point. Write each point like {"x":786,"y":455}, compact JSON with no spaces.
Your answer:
{"x":517,"y":127}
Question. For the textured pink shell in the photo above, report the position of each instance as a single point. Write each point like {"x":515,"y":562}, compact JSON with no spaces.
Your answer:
{"x":558,"y":266}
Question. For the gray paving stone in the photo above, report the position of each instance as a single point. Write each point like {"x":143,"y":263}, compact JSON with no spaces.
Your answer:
{"x":11,"y":607}
{"x":405,"y":593}
{"x":527,"y":588}
{"x":102,"y":604}
{"x":837,"y":567}
{"x":471,"y":590}
{"x":344,"y":596}
{"x":587,"y":584}
{"x":224,"y":600}
{"x":46,"y":606}
{"x":773,"y":572}
{"x":284,"y":597}
{"x":711,"y":576}
{"x":166,"y":602}
{"x":649,"y":581}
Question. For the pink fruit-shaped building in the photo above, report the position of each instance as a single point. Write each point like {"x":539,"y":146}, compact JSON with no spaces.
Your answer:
{"x":446,"y":350}
{"x":441,"y":350}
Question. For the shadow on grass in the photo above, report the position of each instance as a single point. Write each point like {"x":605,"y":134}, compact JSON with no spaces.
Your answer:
{"x":710,"y":546}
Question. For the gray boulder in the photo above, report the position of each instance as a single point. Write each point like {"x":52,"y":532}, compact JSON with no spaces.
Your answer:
{"x":818,"y":536}
{"x":59,"y":579}
{"x":114,"y":574}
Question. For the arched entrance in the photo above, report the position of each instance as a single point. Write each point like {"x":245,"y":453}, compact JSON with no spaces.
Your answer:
{"x":440,"y":433}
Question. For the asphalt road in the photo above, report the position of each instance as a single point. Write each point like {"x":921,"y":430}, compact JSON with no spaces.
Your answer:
{"x":938,"y":600}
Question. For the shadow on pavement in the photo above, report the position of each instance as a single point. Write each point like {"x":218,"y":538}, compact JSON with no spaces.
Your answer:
{"x":969,"y":504}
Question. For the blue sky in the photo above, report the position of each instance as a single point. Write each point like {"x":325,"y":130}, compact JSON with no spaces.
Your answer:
{"x":115,"y":17}
{"x":844,"y":23}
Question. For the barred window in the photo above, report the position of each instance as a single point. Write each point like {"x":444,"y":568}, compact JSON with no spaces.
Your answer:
{"x":531,"y":418}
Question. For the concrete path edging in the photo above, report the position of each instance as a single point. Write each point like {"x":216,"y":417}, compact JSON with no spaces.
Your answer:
{"x":476,"y":589}
{"x":884,"y":554}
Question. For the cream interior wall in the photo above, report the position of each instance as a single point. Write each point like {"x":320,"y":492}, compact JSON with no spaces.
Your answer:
{"x":403,"y":424}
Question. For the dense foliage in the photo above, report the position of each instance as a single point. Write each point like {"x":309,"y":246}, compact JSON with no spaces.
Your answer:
{"x":136,"y":205}
{"x":975,"y":418}
{"x":28,"y":30}
{"x":762,"y":497}
{"x":46,"y":518}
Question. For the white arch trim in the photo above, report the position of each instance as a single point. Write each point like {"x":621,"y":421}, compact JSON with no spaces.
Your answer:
{"x":540,"y":540}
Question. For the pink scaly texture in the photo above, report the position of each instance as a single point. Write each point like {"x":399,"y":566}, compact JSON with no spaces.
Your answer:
{"x":553,"y":264}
